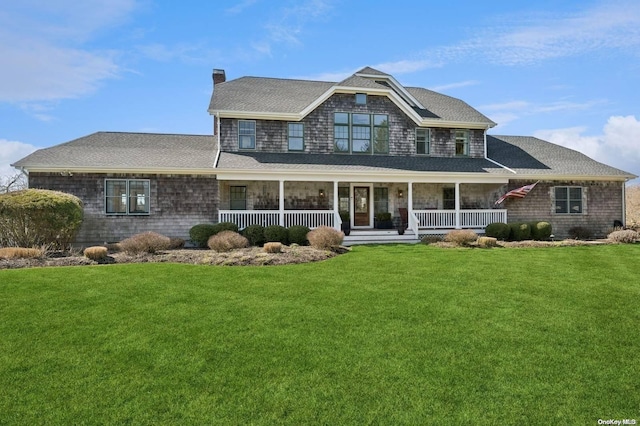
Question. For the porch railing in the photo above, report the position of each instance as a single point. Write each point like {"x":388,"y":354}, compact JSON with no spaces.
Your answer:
{"x":309,"y":218}
{"x":446,"y":219}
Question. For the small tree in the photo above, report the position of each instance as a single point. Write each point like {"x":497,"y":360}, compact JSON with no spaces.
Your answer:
{"x":16,"y":182}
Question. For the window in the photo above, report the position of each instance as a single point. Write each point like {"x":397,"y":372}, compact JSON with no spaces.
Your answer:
{"x":568,"y":199}
{"x":448,"y":198}
{"x":341,"y":132}
{"x":361,"y":98}
{"x":462,"y":142}
{"x":296,"y":136}
{"x":237,"y":198}
{"x":381,"y":134}
{"x":380,"y":200}
{"x":343,"y":198}
{"x":246,"y":134}
{"x":423,"y":140}
{"x":127,"y":196}
{"x":361,"y":133}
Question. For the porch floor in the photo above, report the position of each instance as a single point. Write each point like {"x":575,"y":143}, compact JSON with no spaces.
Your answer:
{"x":379,"y":236}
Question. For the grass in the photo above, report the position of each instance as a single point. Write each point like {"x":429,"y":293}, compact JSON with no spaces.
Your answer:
{"x":381,"y":335}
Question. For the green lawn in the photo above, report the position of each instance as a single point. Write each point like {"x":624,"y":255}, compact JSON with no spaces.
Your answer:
{"x":381,"y":335}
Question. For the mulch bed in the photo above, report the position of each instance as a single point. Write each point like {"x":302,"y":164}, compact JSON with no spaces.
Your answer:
{"x":241,"y":257}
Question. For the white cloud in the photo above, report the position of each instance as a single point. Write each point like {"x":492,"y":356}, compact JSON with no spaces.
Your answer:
{"x":41,"y":45}
{"x":456,"y":85}
{"x":617,"y":146}
{"x":10,"y":152}
{"x":405,"y":66}
{"x":240,"y":7}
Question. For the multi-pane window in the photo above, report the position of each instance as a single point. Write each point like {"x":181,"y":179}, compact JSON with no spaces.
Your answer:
{"x":127,"y":196}
{"x":462,"y":142}
{"x":343,"y":198}
{"x":448,"y":198}
{"x":423,"y":140}
{"x":246,"y":134}
{"x":380,"y":134}
{"x":568,"y":199}
{"x":361,"y":133}
{"x":296,"y":136}
{"x":380,"y":200}
{"x":238,"y":198}
{"x":341,"y":132}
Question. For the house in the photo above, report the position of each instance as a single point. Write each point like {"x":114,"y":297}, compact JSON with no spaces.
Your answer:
{"x":299,"y":152}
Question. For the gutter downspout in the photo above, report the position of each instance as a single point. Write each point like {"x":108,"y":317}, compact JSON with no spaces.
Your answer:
{"x":216,"y":131}
{"x":486,"y":156}
{"x":624,"y":203}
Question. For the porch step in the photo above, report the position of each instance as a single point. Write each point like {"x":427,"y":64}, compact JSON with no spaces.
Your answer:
{"x":379,"y":236}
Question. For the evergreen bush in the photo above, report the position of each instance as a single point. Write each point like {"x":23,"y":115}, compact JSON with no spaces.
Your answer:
{"x":498,"y":230}
{"x":276,"y":233}
{"x":225,"y":226}
{"x":255,"y":234}
{"x":298,"y":235}
{"x":199,"y":234}
{"x":520,"y":231}
{"x":36,"y":217}
{"x":540,"y":231}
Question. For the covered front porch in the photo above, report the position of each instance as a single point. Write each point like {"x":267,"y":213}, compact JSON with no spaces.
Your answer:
{"x":433,"y":207}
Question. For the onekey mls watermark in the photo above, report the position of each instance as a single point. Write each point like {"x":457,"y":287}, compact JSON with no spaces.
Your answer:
{"x":617,"y":422}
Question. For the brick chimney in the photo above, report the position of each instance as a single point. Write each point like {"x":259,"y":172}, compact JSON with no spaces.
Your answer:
{"x":219,"y":77}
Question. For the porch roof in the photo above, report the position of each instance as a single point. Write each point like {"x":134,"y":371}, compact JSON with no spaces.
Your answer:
{"x":264,"y":161}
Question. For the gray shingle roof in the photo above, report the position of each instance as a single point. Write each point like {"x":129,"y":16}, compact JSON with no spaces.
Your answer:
{"x":274,"y":95}
{"x":362,"y":163}
{"x":532,"y":156}
{"x":127,"y":151}
{"x":446,"y":108}
{"x":258,"y":94}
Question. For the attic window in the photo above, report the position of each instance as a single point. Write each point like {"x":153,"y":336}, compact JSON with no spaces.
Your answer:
{"x":361,"y":98}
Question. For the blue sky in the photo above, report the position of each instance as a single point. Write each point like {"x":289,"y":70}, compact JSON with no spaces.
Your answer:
{"x":567,"y":72}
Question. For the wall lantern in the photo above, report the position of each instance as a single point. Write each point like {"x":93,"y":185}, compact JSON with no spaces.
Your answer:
{"x":321,"y":193}
{"x":400,"y":193}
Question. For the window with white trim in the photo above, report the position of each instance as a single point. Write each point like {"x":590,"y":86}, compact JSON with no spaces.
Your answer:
{"x":423,"y":140}
{"x":568,"y":199}
{"x":246,"y":134}
{"x":296,"y":136}
{"x":127,"y":196}
{"x":361,"y":133}
{"x":462,"y":142}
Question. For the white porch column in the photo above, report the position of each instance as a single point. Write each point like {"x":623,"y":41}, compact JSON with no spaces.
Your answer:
{"x":410,"y":197}
{"x":458,"y":205}
{"x":281,"y":202}
{"x":336,"y":207}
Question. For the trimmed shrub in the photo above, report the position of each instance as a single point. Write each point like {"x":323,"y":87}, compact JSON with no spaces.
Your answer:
{"x":487,"y":242}
{"x":146,"y":242}
{"x":176,"y":243}
{"x":227,"y":241}
{"x":498,"y":230}
{"x":255,"y":234}
{"x":325,"y":238}
{"x":431,"y":239}
{"x":276,"y":233}
{"x":199,"y":234}
{"x":540,"y":231}
{"x":273,"y":247}
{"x":461,"y":237}
{"x":580,"y":233}
{"x":298,"y":235}
{"x":520,"y":231}
{"x":225,"y":226}
{"x":35,"y":217}
{"x":95,"y":253}
{"x":626,"y":236}
{"x":21,"y":253}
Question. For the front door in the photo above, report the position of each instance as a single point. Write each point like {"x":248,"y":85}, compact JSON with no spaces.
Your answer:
{"x":361,"y":213}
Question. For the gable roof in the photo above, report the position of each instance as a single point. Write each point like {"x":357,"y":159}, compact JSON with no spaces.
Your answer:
{"x":287,"y":99}
{"x":131,"y":152}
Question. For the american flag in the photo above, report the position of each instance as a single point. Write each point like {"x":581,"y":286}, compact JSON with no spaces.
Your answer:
{"x":520,"y":192}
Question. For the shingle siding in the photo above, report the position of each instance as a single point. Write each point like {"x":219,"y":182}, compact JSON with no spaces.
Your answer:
{"x":602,"y":205}
{"x":177,"y":202}
{"x":271,"y":135}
